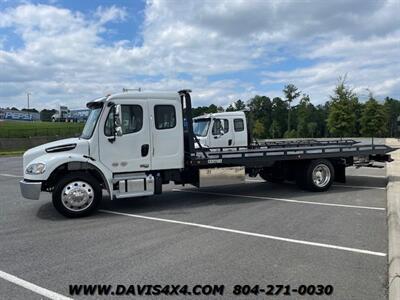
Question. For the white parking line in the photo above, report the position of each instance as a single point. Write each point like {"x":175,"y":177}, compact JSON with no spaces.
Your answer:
{"x":367,"y":175}
{"x":271,"y":237}
{"x":32,"y":287}
{"x":282,"y":200}
{"x":360,"y":187}
{"x":255,"y":180}
{"x":10,"y":175}
{"x":338,"y":185}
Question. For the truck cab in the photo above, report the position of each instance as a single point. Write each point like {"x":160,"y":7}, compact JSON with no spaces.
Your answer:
{"x":127,"y":142}
{"x":226,"y":129}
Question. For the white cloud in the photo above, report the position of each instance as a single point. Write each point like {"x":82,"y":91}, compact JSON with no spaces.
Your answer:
{"x":107,"y":14}
{"x":64,"y":58}
{"x":369,"y":64}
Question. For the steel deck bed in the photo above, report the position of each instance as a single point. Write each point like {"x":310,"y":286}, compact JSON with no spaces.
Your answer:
{"x":264,"y":155}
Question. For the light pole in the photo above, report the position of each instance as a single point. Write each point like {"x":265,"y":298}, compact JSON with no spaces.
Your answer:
{"x":27,"y":95}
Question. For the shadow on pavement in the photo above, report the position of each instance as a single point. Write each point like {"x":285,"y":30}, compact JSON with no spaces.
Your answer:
{"x":48,"y":212}
{"x":180,"y":203}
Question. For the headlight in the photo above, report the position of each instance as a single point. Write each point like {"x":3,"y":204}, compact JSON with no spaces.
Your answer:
{"x":37,"y":168}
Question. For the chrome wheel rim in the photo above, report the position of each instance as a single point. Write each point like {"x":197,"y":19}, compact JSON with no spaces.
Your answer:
{"x":321,"y":175}
{"x":77,"y":196}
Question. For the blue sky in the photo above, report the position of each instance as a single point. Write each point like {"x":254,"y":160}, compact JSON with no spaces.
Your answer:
{"x":66,"y":52}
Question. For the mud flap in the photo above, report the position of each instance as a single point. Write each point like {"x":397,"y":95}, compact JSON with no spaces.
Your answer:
{"x":340,"y":173}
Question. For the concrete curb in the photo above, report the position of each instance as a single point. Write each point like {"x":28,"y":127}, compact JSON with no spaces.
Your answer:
{"x":393,"y":215}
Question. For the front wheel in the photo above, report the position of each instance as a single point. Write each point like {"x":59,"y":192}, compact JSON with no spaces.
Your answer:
{"x":77,"y":195}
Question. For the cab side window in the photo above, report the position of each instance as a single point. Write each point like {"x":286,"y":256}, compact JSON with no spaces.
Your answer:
{"x":226,"y":125}
{"x":220,"y":125}
{"x":110,"y":123}
{"x":238,"y":125}
{"x":217,"y":127}
{"x":164,"y":116}
{"x":132,"y":118}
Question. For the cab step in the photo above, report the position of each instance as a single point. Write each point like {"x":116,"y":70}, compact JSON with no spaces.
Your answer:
{"x":133,"y":185}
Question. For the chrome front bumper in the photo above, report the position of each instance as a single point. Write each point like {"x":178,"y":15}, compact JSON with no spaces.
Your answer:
{"x":30,"y":190}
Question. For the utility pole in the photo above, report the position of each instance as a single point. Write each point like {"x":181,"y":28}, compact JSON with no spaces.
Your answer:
{"x":27,"y":95}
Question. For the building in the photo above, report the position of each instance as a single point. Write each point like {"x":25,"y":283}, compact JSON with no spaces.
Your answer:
{"x":18,"y":115}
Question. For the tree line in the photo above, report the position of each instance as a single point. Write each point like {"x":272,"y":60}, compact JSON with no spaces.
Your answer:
{"x":341,"y":116}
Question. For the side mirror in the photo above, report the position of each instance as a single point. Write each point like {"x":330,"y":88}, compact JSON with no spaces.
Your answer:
{"x":118,"y":120}
{"x":222,"y":132}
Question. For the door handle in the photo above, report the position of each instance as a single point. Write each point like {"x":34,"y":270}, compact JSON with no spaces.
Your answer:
{"x":230,"y":142}
{"x":145,"y":149}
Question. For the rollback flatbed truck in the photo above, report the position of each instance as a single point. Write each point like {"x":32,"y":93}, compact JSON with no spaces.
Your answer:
{"x":134,"y":142}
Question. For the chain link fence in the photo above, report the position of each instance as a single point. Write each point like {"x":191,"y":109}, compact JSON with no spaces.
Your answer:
{"x":64,"y":131}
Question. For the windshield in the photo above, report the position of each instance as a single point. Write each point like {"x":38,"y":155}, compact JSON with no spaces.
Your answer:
{"x":91,"y":123}
{"x":200,"y":126}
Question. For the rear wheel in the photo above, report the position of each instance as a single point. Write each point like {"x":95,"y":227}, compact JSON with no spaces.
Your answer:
{"x":317,"y":175}
{"x":77,"y":195}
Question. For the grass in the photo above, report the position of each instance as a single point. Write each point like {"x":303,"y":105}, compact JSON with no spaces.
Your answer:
{"x":24,"y":129}
{"x":12,"y":153}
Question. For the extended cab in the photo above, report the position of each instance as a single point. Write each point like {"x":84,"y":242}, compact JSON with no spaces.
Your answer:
{"x":225,"y":129}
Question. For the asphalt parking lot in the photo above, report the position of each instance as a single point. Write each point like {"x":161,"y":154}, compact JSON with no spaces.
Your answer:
{"x":255,"y":233}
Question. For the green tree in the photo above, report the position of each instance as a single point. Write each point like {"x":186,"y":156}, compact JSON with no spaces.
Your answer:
{"x":212,"y":109}
{"x":279,"y":115}
{"x":291,"y":92}
{"x":275,"y":130}
{"x":258,"y":129}
{"x":290,"y":134}
{"x":230,"y":108}
{"x":321,"y":116}
{"x":202,"y":110}
{"x":260,"y":111}
{"x":305,"y":115}
{"x":30,"y":110}
{"x":342,"y":112}
{"x":236,"y":106}
{"x":312,"y":129}
{"x":373,"y":119}
{"x":392,"y":109}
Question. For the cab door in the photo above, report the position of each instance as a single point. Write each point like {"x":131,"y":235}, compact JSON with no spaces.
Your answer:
{"x":240,"y":131}
{"x":166,"y":126}
{"x":221,"y":133}
{"x":131,"y":151}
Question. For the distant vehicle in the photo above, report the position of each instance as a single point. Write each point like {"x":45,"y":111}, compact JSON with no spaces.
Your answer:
{"x":133,"y":143}
{"x":60,"y":115}
{"x":78,"y":115}
{"x":224,"y":129}
{"x":73,"y":115}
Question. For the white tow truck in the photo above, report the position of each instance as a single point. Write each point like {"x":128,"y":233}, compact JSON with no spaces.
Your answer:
{"x":225,"y":129}
{"x":135,"y":142}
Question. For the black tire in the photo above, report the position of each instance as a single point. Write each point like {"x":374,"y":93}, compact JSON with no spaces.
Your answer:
{"x":95,"y":196}
{"x":271,"y":178}
{"x":305,"y":176}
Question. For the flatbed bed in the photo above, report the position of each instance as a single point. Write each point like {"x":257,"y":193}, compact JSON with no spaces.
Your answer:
{"x":264,"y":155}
